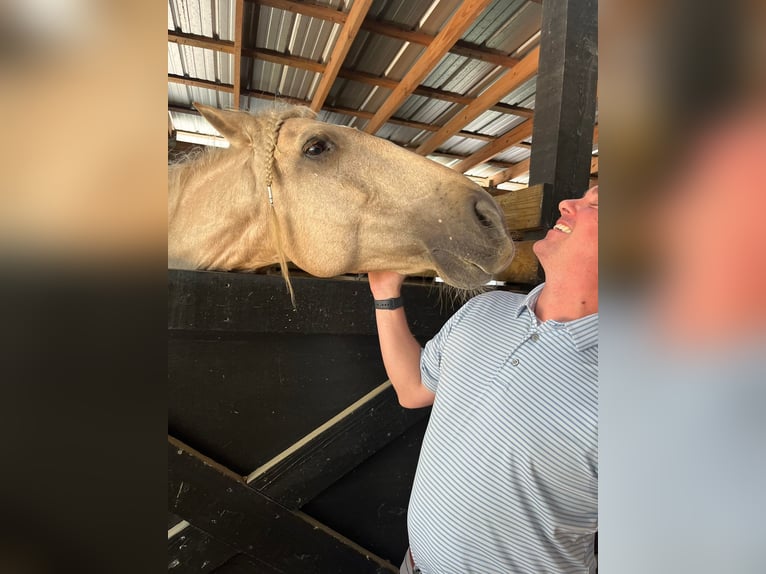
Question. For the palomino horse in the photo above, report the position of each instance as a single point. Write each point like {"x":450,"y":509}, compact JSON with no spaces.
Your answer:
{"x":332,"y":200}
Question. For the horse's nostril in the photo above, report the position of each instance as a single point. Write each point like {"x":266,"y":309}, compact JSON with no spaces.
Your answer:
{"x":483,"y":214}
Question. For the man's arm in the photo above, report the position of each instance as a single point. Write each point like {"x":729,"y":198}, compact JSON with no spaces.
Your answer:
{"x":400,"y":350}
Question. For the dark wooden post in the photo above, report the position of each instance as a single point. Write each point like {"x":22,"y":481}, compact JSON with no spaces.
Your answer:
{"x":565,"y":104}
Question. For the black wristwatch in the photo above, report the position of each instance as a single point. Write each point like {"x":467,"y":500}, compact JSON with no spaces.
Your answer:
{"x":389,"y":304}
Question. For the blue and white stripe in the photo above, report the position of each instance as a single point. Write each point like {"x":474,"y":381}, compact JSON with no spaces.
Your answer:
{"x":508,"y":474}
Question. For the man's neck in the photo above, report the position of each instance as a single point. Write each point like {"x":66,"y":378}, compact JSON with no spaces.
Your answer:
{"x":562,"y":301}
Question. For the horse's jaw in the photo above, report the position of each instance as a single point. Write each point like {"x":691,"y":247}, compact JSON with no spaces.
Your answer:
{"x":469,"y":271}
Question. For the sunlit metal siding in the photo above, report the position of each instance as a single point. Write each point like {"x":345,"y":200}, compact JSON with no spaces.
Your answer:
{"x":494,"y":123}
{"x":401,"y":135}
{"x":198,"y":17}
{"x":425,"y":110}
{"x":461,"y":146}
{"x":493,"y":17}
{"x":506,"y":26}
{"x":512,"y":155}
{"x":523,"y":95}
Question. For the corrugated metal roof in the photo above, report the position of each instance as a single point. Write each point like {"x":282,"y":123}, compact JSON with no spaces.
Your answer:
{"x":507,"y":27}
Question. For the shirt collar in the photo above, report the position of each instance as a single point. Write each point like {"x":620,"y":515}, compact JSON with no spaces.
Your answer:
{"x":584,"y":331}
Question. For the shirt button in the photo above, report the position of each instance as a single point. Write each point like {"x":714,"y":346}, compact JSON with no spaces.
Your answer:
{"x":514,"y":362}
{"x":535,"y":336}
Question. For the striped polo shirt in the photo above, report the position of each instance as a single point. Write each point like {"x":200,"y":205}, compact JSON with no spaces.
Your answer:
{"x":507,"y":479}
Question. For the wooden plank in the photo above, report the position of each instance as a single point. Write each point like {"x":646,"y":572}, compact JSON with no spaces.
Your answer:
{"x":202,"y":42}
{"x":513,"y":78}
{"x":228,"y":88}
{"x":193,"y":550}
{"x":523,"y":268}
{"x":516,"y":170}
{"x":392,"y":30}
{"x":594,"y":165}
{"x":379,"y":522}
{"x":342,"y":45}
{"x":565,"y":104}
{"x":515,"y":135}
{"x":284,"y":59}
{"x":307,"y":9}
{"x":320,"y":459}
{"x":246,"y":398}
{"x":522,"y":207}
{"x":463,"y":18}
{"x":255,"y":303}
{"x":496,"y":57}
{"x":218,"y":501}
{"x":428,"y":92}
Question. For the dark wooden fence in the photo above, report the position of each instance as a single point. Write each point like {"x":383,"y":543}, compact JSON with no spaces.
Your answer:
{"x":287,"y":449}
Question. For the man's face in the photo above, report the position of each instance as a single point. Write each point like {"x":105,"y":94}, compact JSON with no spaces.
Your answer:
{"x":572,"y":245}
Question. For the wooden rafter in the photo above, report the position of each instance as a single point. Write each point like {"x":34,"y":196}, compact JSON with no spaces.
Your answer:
{"x":342,"y":45}
{"x":392,"y":30}
{"x":307,"y":9}
{"x":513,"y":78}
{"x":444,"y":40}
{"x":198,"y":41}
{"x":522,"y":167}
{"x":314,"y":66}
{"x":210,"y":85}
{"x":516,"y":170}
{"x":284,"y":59}
{"x":513,"y":136}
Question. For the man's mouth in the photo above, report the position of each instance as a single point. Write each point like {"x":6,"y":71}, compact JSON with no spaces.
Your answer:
{"x":563,"y":228}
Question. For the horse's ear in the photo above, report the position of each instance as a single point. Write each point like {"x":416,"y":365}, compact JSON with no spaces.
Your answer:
{"x":228,"y":123}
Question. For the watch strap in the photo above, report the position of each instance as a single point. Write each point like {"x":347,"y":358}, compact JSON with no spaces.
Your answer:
{"x":389,"y":304}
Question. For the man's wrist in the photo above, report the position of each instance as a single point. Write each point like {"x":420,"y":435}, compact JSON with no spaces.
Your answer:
{"x":389,"y":304}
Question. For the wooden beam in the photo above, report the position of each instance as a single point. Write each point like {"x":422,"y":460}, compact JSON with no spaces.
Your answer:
{"x":219,"y":502}
{"x":392,"y":30}
{"x":495,"y":57}
{"x":521,"y":207}
{"x":337,"y":306}
{"x":228,"y":88}
{"x":521,"y":132}
{"x":522,"y":167}
{"x":284,"y":59}
{"x":565,"y":104}
{"x":192,"y":550}
{"x":239,"y":10}
{"x":444,"y":40}
{"x":398,"y":31}
{"x":513,"y":78}
{"x":516,"y":170}
{"x":319,"y":460}
{"x":342,"y":45}
{"x":497,"y":164}
{"x":402,"y":122}
{"x":366,"y":78}
{"x":307,"y":9}
{"x":202,"y":42}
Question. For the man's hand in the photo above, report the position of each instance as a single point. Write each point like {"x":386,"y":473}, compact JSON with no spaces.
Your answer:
{"x":385,"y":284}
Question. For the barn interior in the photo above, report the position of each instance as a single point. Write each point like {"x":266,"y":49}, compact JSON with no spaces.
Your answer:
{"x":287,"y":449}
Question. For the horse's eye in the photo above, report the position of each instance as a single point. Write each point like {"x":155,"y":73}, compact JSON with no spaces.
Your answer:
{"x":315,"y":147}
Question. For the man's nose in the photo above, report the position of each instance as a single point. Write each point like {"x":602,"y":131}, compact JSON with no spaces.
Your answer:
{"x":566,"y":206}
